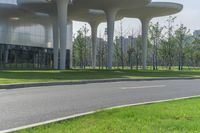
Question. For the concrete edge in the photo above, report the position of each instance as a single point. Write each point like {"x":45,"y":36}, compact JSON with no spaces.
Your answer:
{"x":17,"y":86}
{"x":92,"y":112}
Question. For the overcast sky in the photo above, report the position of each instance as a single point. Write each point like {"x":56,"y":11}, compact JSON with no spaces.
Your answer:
{"x":190,"y":16}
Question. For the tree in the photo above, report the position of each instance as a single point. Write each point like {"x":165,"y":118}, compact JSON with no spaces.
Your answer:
{"x":196,"y":52}
{"x":79,"y":48}
{"x":181,"y":35}
{"x":155,"y":32}
{"x":138,"y":51}
{"x":117,"y":53}
{"x":87,"y":46}
{"x":101,"y":52}
{"x":196,"y":57}
{"x":170,"y":42}
{"x":122,"y":45}
{"x":196,"y":40}
{"x":130,"y":54}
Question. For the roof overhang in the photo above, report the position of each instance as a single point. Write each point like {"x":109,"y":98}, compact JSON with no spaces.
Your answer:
{"x":154,"y":9}
{"x":109,"y":4}
{"x":90,"y":16}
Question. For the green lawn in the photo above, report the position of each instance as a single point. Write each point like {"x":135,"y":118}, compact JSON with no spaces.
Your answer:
{"x":182,"y":116}
{"x":28,"y":76}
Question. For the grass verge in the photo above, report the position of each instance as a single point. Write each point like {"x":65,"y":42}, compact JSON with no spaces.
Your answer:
{"x":30,"y":76}
{"x":181,"y":116}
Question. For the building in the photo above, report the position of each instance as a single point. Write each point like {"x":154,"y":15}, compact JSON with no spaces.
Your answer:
{"x":196,"y":33}
{"x":37,"y":34}
{"x":126,"y":43}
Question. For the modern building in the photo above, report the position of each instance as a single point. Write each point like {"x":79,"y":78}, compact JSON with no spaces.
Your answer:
{"x":37,"y":34}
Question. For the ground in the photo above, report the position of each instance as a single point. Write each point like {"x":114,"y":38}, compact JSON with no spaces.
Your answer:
{"x":28,"y":76}
{"x":181,"y":116}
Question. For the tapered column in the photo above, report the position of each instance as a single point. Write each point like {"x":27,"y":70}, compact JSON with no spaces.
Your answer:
{"x":94,"y":27}
{"x":62,"y":6}
{"x":110,"y":14}
{"x":55,"y":43}
{"x":145,"y":25}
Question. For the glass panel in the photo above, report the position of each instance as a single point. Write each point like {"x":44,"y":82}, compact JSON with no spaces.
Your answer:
{"x":25,"y":57}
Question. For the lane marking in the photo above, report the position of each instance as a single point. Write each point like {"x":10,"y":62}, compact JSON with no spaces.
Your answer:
{"x":144,"y":87}
{"x":92,"y":112}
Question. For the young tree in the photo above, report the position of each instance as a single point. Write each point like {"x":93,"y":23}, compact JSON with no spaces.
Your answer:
{"x":101,"y":52}
{"x":79,"y":47}
{"x":138,"y":51}
{"x":181,"y":35}
{"x":130,"y":52}
{"x":122,"y":45}
{"x":196,"y":57}
{"x":87,"y":46}
{"x":196,"y":52}
{"x":117,"y":53}
{"x":155,"y":32}
{"x":170,"y":42}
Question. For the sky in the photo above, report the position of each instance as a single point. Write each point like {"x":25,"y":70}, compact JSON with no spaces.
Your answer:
{"x":189,"y":16}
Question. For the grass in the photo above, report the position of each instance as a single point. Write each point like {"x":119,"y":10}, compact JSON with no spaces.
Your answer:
{"x":181,"y":116}
{"x":29,"y":76}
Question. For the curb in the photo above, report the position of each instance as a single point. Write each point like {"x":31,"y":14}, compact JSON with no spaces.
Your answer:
{"x":17,"y":86}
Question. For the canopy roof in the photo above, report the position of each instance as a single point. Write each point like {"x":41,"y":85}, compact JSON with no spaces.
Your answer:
{"x":154,"y":9}
{"x":90,"y":16}
{"x":48,"y":6}
{"x":11,"y":10}
{"x":109,"y":4}
{"x":83,"y":13}
{"x":92,"y":10}
{"x":13,"y":13}
{"x":42,"y":6}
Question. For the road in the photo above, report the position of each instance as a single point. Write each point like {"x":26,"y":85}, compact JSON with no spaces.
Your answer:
{"x":20,"y":107}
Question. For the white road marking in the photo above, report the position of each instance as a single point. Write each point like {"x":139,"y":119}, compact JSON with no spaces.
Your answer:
{"x":144,"y":87}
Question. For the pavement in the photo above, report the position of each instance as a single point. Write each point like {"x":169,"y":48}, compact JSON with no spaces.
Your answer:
{"x":25,"y":106}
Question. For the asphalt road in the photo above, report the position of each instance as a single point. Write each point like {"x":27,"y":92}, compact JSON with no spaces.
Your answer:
{"x":20,"y":107}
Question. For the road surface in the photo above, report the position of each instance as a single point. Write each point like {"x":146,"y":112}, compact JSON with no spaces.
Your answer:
{"x":20,"y":107}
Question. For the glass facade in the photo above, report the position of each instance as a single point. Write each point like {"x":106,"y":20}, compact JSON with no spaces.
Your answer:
{"x":21,"y":32}
{"x":26,"y":57}
{"x":26,"y":42}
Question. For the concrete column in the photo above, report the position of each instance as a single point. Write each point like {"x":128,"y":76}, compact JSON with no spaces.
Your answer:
{"x":62,"y":6}
{"x":55,"y":43}
{"x":145,"y":25}
{"x":70,"y":40}
{"x":94,"y":27}
{"x":110,"y":14}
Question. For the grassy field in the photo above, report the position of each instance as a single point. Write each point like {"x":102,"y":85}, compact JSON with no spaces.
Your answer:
{"x":28,"y":76}
{"x":182,"y":116}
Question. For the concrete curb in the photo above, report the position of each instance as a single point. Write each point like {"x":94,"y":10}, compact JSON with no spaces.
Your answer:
{"x":16,"y":86}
